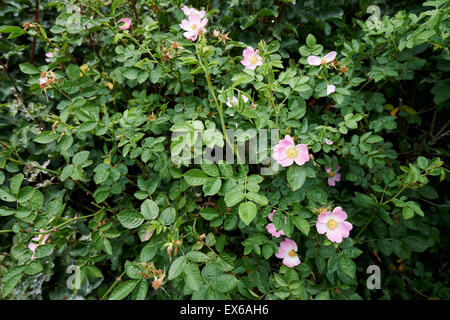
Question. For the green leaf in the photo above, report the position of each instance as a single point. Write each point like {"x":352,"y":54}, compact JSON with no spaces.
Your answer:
{"x":310,"y":41}
{"x":247,"y":212}
{"x":43,"y":250}
{"x":123,"y":290}
{"x":197,"y":256}
{"x":347,"y":266}
{"x":73,"y":71}
{"x":15,"y":183}
{"x":130,"y":218}
{"x":168,"y":215}
{"x":149,"y":209}
{"x":148,"y":252}
{"x":46,"y":137}
{"x":225,"y":283}
{"x":80,"y":157}
{"x":258,"y":198}
{"x":296,"y":176}
{"x":140,"y":292}
{"x":195,"y":177}
{"x":234,"y":196}
{"x":5,"y":196}
{"x":193,"y":277}
{"x":302,"y":224}
{"x":212,"y":186}
{"x":177,"y":267}
{"x":28,"y":68}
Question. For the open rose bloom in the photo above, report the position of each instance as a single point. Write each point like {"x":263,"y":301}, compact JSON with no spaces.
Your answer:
{"x":317,"y":61}
{"x":252,"y":59}
{"x":286,"y":152}
{"x":333,"y":176}
{"x":194,"y":26}
{"x":288,"y":252}
{"x":36,"y":242}
{"x":234,"y":101}
{"x":124,"y":23}
{"x":334,"y":225}
{"x":271,"y":227}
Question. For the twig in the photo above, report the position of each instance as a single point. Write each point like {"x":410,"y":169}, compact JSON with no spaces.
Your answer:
{"x":36,"y":19}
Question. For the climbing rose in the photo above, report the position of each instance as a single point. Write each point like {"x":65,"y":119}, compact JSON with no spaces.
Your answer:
{"x":334,"y":225}
{"x":126,"y":23}
{"x":330,"y":89}
{"x":194,"y":26}
{"x":333,"y":176}
{"x":271,"y":227}
{"x":287,"y":252}
{"x":191,"y":11}
{"x":286,"y":152}
{"x":40,"y":239}
{"x":328,"y":142}
{"x":252,"y":59}
{"x":316,"y":61}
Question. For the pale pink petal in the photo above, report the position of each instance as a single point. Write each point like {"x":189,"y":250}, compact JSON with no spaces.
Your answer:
{"x":338,"y":168}
{"x":302,"y":155}
{"x":340,"y":214}
{"x":271,"y":215}
{"x":330,"y":56}
{"x":330,"y":89}
{"x":331,"y":182}
{"x":291,"y":262}
{"x":328,"y":142}
{"x":334,"y":235}
{"x":283,"y":250}
{"x":286,"y":162}
{"x":324,"y":217}
{"x":247,"y":53}
{"x":328,"y":170}
{"x":314,"y":60}
{"x":337,"y":177}
{"x":273,"y":231}
{"x":321,"y":227}
{"x":287,"y":141}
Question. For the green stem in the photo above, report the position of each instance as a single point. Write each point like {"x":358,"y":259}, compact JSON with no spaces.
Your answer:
{"x":114,"y":285}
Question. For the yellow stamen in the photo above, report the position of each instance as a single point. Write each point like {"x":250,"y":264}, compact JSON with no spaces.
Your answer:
{"x":292,"y":153}
{"x":292,"y":253}
{"x":194,"y":27}
{"x":331,"y":174}
{"x":332,"y":224}
{"x":253,"y":59}
{"x":323,"y":61}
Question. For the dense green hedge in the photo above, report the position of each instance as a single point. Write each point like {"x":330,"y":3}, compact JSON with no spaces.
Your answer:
{"x":99,"y":100}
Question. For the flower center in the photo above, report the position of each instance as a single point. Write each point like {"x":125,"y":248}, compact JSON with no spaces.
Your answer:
{"x":253,"y":59}
{"x":292,"y":153}
{"x":323,"y":62}
{"x":332,"y":224}
{"x":292,"y":253}
{"x":331,"y":174}
{"x":194,"y":27}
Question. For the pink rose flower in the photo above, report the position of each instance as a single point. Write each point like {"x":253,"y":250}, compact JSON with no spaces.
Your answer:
{"x":193,"y":26}
{"x":334,"y":225}
{"x":333,"y":176}
{"x":36,"y":242}
{"x":252,"y":59}
{"x":216,"y":33}
{"x":330,"y":89}
{"x":234,"y":101}
{"x":316,"y":61}
{"x":126,"y":23}
{"x":328,"y":142}
{"x":288,"y":252}
{"x":271,"y":227}
{"x":286,"y":152}
{"x":191,"y":11}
